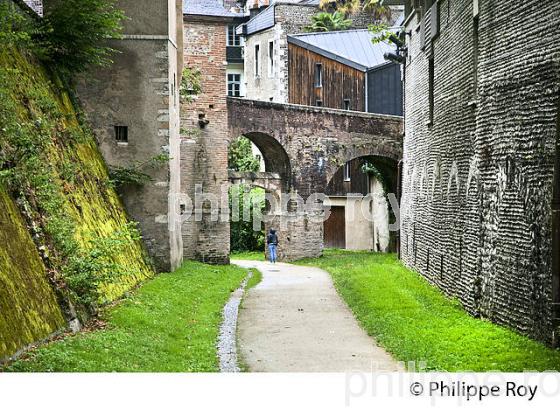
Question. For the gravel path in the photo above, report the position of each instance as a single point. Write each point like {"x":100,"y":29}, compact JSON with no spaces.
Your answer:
{"x":294,"y":321}
{"x":227,"y":343}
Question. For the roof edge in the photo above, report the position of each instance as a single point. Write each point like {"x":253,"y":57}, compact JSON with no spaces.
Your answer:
{"x":327,"y":54}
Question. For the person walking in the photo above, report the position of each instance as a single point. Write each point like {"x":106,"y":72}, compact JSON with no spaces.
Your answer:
{"x":272,"y":242}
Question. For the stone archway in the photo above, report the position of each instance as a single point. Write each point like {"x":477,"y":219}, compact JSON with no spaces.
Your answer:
{"x":359,"y":206}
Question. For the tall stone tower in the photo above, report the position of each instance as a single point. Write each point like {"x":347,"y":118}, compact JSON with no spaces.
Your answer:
{"x":133,"y":106}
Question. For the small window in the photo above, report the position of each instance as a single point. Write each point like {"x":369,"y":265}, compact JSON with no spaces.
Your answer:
{"x":121,"y":133}
{"x":257,"y":62}
{"x":347,"y":172}
{"x":233,"y":40}
{"x":271,"y":59}
{"x":347,"y":105}
{"x":318,"y":75}
{"x":234,"y":85}
{"x":319,"y":103}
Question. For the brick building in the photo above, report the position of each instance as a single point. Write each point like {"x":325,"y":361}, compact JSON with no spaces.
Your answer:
{"x":210,"y":48}
{"x":481,"y":189}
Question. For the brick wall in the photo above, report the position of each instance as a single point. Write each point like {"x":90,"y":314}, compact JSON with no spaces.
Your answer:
{"x":204,"y":150}
{"x":477,"y":189}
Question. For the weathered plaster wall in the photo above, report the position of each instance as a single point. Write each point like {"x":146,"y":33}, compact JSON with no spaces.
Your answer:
{"x":477,"y":190}
{"x":140,"y":90}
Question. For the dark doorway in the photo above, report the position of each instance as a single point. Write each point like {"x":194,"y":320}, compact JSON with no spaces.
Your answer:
{"x":335,"y":228}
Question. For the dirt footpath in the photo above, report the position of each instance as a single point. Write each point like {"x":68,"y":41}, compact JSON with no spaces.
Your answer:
{"x":294,"y":321}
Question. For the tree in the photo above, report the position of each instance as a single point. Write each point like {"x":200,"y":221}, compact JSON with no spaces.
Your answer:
{"x":240,"y":156}
{"x":324,"y":21}
{"x":73,"y":34}
{"x":349,"y":7}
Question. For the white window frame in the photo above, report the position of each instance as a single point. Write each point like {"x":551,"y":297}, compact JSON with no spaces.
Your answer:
{"x":257,"y":62}
{"x":270,"y":59}
{"x":318,"y":84}
{"x":347,"y":176}
{"x":234,"y":83}
{"x":230,"y":42}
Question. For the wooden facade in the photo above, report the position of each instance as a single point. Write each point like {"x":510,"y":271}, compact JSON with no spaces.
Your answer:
{"x":358,"y":183}
{"x":339,"y":81}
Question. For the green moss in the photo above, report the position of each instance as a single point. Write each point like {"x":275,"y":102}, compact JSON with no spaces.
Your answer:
{"x":170,"y":324}
{"x":50,"y":163}
{"x":29,"y":308}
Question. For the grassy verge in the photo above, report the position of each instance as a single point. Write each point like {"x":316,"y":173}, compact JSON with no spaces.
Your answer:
{"x":249,"y":256}
{"x":415,"y":322}
{"x":254,"y":280}
{"x":170,"y":324}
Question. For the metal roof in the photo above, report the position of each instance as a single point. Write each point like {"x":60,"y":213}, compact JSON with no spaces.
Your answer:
{"x":212,"y":8}
{"x":351,"y":47}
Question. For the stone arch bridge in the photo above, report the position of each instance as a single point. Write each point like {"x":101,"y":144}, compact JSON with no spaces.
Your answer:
{"x":303,"y":147}
{"x":306,"y":145}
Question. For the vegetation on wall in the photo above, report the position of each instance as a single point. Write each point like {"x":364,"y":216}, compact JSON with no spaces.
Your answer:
{"x":191,"y":84}
{"x":28,"y":304}
{"x":374,"y":8}
{"x":134,"y":174}
{"x":49,"y":163}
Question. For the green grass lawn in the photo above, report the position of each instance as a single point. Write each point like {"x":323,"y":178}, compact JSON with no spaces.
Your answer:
{"x":415,"y":322}
{"x":170,"y":324}
{"x":249,"y":256}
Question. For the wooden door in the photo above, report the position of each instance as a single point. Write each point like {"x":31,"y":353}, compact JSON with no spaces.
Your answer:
{"x":335,"y":228}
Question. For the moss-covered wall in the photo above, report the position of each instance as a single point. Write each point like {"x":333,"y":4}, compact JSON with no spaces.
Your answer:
{"x":51,"y":167}
{"x":28,"y":307}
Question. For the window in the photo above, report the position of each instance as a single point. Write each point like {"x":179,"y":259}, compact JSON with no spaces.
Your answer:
{"x":234,"y":85}
{"x":271,"y":59}
{"x":319,"y":103}
{"x":257,"y":57}
{"x":233,"y":40}
{"x":318,"y":75}
{"x":347,"y":172}
{"x":121,"y":133}
{"x":431,"y":75}
{"x":347,"y":105}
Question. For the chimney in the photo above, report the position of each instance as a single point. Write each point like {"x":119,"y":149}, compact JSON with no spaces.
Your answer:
{"x":256,"y":6}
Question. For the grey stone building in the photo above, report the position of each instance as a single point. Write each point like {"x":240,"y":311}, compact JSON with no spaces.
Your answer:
{"x":481,"y":190}
{"x":133,"y":106}
{"x":266,"y":48}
